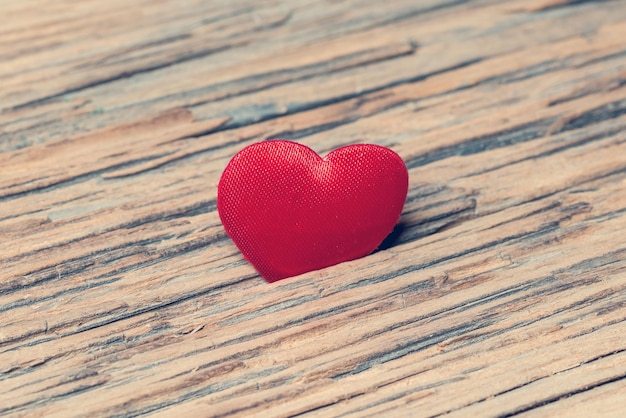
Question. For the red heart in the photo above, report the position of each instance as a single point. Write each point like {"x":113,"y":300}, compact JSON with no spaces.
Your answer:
{"x":289,"y":211}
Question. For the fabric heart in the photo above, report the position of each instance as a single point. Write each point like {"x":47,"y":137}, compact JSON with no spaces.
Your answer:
{"x":289,"y":211}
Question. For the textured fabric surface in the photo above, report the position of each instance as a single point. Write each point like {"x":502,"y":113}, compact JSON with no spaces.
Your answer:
{"x":289,"y":211}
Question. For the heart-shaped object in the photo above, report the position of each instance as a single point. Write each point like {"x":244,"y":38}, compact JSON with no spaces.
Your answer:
{"x":289,"y":211}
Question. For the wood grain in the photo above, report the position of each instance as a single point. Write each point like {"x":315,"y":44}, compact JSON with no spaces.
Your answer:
{"x":502,"y":292}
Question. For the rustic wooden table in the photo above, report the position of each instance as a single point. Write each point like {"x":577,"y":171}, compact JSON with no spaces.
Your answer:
{"x":503,"y":292}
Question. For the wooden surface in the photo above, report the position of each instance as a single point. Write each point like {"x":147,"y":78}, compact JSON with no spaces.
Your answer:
{"x":502,"y":292}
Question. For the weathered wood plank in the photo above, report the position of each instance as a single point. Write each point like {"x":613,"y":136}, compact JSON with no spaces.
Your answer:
{"x":501,"y":292}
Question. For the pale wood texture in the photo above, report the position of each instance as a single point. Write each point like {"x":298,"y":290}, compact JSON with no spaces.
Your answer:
{"x":502,"y":293}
